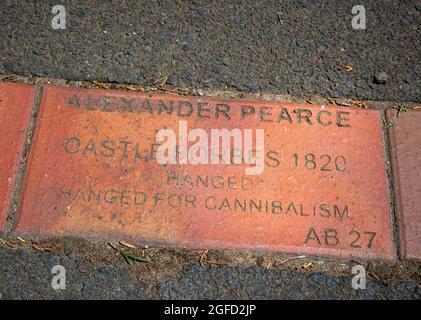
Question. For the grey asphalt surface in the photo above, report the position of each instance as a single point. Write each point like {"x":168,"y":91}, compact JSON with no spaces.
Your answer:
{"x":285,"y":47}
{"x":298,"y":48}
{"x":26,"y":274}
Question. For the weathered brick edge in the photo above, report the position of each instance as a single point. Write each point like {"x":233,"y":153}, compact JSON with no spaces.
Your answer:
{"x":389,"y":140}
{"x":405,"y":149}
{"x":16,"y":111}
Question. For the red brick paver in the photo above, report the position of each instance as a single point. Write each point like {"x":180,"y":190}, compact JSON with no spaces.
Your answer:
{"x":405,"y":137}
{"x":16,"y":102}
{"x":93,"y":171}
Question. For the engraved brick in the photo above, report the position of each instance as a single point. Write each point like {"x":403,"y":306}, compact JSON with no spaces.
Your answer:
{"x":405,"y":140}
{"x":16,"y":102}
{"x":93,"y":172}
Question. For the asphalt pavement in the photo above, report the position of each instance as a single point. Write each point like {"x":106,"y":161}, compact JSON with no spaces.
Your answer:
{"x":300,"y":48}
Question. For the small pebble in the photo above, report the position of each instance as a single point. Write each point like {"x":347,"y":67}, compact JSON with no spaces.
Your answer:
{"x":380,"y":78}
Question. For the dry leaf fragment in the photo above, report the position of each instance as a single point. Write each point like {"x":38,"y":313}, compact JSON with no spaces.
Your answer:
{"x":21,"y":239}
{"x":202,"y":257}
{"x":100,"y":84}
{"x":292,"y":258}
{"x":39,"y":248}
{"x":7,"y":243}
{"x":112,"y":246}
{"x":128,"y":245}
{"x":308,"y":266}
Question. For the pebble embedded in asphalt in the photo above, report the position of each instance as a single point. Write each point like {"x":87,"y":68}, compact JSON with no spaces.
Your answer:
{"x":380,"y":78}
